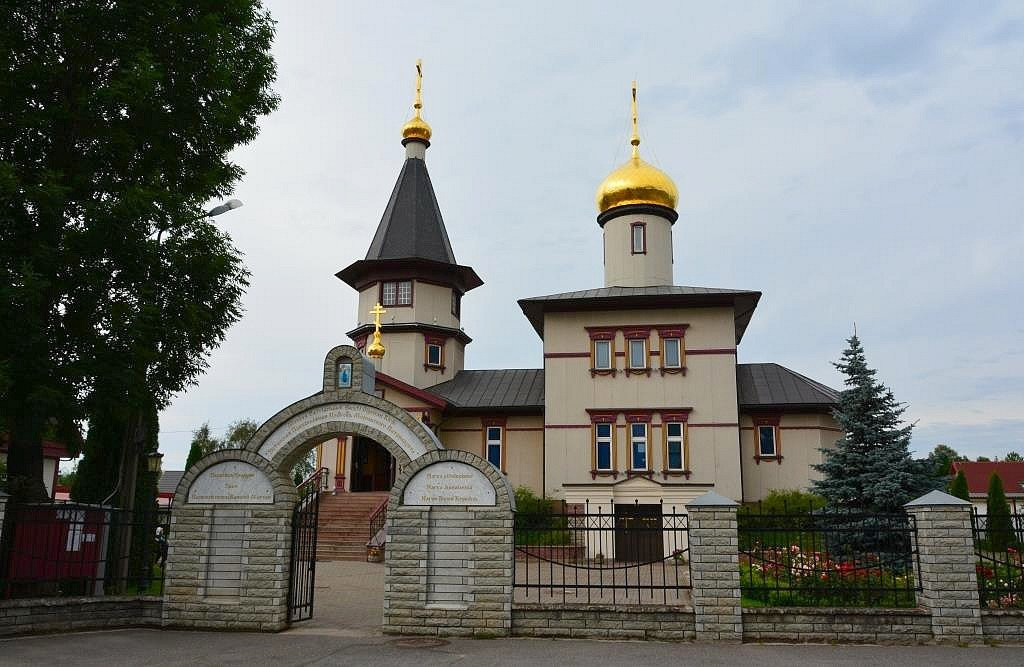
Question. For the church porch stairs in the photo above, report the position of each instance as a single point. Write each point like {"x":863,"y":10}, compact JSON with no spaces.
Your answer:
{"x":343,"y":525}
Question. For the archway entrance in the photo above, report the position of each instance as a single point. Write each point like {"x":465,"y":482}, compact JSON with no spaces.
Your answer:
{"x":373,"y":467}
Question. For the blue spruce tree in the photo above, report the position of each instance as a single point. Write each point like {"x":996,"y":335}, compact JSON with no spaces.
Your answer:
{"x":870,"y":470}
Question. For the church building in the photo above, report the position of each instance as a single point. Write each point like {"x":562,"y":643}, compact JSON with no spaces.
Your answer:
{"x":639,"y":398}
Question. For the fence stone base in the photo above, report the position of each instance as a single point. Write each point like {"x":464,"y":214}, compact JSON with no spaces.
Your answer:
{"x":832,"y":625}
{"x":1003,"y":625}
{"x":583,"y":621}
{"x":38,"y":615}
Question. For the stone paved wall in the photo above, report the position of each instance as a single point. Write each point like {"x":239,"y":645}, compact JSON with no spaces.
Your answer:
{"x":583,"y":621}
{"x":1003,"y":625}
{"x":228,"y":564}
{"x":832,"y":625}
{"x":40,"y":615}
{"x":448,"y":569}
{"x":948,"y":579}
{"x":715,"y":569}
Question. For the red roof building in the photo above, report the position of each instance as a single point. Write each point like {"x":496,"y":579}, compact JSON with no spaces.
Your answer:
{"x":978,"y":474}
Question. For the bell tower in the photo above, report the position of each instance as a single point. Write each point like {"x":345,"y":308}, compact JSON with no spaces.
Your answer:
{"x":411,"y":271}
{"x":636,"y":211}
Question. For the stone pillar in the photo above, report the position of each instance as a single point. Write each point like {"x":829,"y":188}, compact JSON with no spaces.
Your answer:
{"x":715,"y":568}
{"x":3,"y":510}
{"x":949,"y":584}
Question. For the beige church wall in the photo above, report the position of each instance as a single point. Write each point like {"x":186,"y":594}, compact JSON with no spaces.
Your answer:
{"x":405,"y":358}
{"x":429,"y":301}
{"x":708,"y":388}
{"x":801,"y":437}
{"x":622,"y":267}
{"x":524,"y":445}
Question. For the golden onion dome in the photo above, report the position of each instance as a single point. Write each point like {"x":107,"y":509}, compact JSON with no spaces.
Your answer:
{"x":636,"y":182}
{"x":417,"y":128}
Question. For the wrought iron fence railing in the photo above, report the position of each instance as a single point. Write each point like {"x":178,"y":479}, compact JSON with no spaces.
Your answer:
{"x":824,"y":558}
{"x":70,"y":549}
{"x":631,"y":554}
{"x":998,"y":543}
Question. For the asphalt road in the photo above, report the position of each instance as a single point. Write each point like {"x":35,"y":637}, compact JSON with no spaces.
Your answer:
{"x":314,"y":646}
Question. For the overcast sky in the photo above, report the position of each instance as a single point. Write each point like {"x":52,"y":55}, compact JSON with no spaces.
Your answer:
{"x":858,"y":163}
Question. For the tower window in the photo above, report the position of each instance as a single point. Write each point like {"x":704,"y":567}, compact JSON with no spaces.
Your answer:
{"x":637,"y":353}
{"x":638,"y":236}
{"x":603,"y":446}
{"x":766,"y":441}
{"x":638,"y":442}
{"x":434,"y":354}
{"x":396,"y":293}
{"x":670,"y":353}
{"x":456,"y":304}
{"x":494,"y":446}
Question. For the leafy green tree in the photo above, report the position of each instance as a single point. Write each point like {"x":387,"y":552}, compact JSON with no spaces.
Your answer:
{"x":116,"y":123}
{"x":870,"y":469}
{"x":239,"y":433}
{"x":1013,"y":456}
{"x":958,"y":487}
{"x":68,"y":478}
{"x":942,"y":457}
{"x":999,"y":526}
{"x":195,"y":452}
{"x":983,"y":459}
{"x":304,"y":467}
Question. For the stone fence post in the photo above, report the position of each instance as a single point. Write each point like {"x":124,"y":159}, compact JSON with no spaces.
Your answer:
{"x":949,"y":584}
{"x":3,"y":510}
{"x":714,"y":568}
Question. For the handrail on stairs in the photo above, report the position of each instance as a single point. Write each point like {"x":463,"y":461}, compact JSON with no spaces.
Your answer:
{"x":376,"y":523}
{"x":315,"y":483}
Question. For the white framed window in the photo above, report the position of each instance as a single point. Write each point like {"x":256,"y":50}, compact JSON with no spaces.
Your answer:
{"x":670,"y":356}
{"x":602,"y":355}
{"x":638,"y":236}
{"x":766,"y":441}
{"x":396,"y":293}
{"x":434,"y":354}
{"x":603,"y":446}
{"x":638,"y":446}
{"x":494,"y":446}
{"x":674,"y":451}
{"x":637,"y":353}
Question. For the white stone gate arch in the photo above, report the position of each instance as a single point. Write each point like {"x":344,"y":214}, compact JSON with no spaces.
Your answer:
{"x":230,"y":539}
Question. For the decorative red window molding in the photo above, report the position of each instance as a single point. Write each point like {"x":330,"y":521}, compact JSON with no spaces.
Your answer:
{"x":680,"y":415}
{"x":636,"y":331}
{"x":602,"y":333}
{"x":639,"y":416}
{"x":602,"y":416}
{"x":433,"y":339}
{"x":493,"y":421}
{"x":673,"y":331}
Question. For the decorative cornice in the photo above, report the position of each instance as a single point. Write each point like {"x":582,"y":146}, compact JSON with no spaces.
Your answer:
{"x":414,"y":327}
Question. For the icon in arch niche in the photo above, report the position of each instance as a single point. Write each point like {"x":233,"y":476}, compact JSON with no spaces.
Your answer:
{"x":344,"y":375}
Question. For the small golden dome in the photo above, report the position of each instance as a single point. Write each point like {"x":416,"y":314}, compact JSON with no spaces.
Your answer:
{"x":376,"y":348}
{"x":637,"y":182}
{"x":416,"y":128}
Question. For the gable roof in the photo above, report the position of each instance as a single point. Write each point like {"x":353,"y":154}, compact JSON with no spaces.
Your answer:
{"x":513,"y":389}
{"x":411,"y":226}
{"x":743,"y":302}
{"x":762,"y":386}
{"x":168,"y":482}
{"x":979,"y":472}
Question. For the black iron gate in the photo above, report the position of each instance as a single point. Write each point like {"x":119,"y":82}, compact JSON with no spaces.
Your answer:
{"x":303,"y":566}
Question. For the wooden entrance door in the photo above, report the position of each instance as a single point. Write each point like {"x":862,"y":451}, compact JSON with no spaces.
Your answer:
{"x":373,"y":467}
{"x":638,"y":534}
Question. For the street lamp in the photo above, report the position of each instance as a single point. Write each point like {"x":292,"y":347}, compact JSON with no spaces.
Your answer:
{"x":229,"y":205}
{"x":153,"y":461}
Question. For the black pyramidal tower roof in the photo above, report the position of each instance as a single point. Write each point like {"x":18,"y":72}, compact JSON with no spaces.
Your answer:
{"x":412,"y":226}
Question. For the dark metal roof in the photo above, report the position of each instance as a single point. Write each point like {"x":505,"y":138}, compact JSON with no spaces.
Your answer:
{"x":519,"y":389}
{"x":412,"y":224}
{"x":660,"y":296}
{"x":774,"y":386}
{"x":169,"y":481}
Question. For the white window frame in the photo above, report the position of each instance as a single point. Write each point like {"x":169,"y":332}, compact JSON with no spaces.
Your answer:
{"x":641,"y":237}
{"x":440,"y":355}
{"x":389,"y":293}
{"x":604,"y":440}
{"x":635,"y":440}
{"x":597,"y":356}
{"x":675,"y":439}
{"x":775,"y":441}
{"x":494,"y":442}
{"x":665,"y":342}
{"x":406,"y":286}
{"x":644,"y":355}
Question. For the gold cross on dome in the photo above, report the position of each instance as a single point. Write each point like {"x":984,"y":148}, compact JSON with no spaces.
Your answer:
{"x":377,"y":311}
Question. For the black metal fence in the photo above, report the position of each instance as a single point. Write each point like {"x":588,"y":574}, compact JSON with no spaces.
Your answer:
{"x":998,"y":541}
{"x":631,"y":554}
{"x":821,"y":558}
{"x":69,"y":549}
